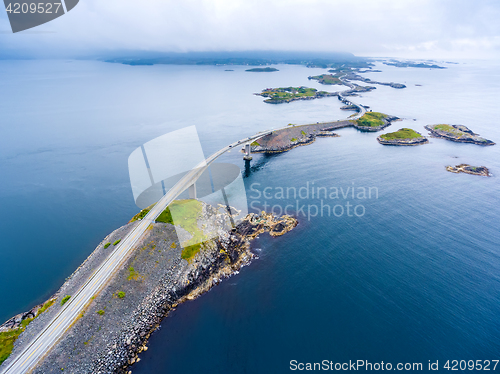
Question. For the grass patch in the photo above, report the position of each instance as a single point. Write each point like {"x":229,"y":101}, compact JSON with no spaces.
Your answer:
{"x":101,"y":312}
{"x":293,"y":139}
{"x":450,"y":130}
{"x":117,"y":241}
{"x":173,"y":245}
{"x":303,"y":133}
{"x":262,"y":70}
{"x":254,"y":144}
{"x":288,"y":93}
{"x":371,"y":119}
{"x":187,"y":213}
{"x":120,"y":294}
{"x":107,"y":245}
{"x":65,"y":299}
{"x":403,"y":133}
{"x":7,"y":340}
{"x":133,"y":274}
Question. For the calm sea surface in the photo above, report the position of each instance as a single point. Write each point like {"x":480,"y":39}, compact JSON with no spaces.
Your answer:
{"x":413,"y":276}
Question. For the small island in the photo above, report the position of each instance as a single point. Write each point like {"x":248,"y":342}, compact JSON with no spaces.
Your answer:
{"x":403,"y":136}
{"x":467,"y":169}
{"x":373,"y":121}
{"x":262,"y":70}
{"x":457,"y":133}
{"x":161,"y":273}
{"x":327,"y":79}
{"x":288,"y":94}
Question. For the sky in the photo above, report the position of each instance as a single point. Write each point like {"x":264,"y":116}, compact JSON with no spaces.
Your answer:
{"x":386,"y":28}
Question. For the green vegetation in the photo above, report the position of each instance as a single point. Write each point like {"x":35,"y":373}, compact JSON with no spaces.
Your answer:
{"x":327,"y":79}
{"x":403,"y":133}
{"x":254,"y":144}
{"x":140,"y":215}
{"x":45,"y":306}
{"x":190,"y":251}
{"x":303,"y":133}
{"x":371,"y":119}
{"x":285,"y":94}
{"x":8,"y":338}
{"x":165,"y":216}
{"x":173,"y":245}
{"x":447,"y":128}
{"x":65,"y":299}
{"x":450,"y":130}
{"x":117,"y":241}
{"x":120,"y":294}
{"x":293,"y":139}
{"x":107,"y":245}
{"x":190,"y":211}
{"x":262,"y":70}
{"x":100,"y":312}
{"x":133,"y":274}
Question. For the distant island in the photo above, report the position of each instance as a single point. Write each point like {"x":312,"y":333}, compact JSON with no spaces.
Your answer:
{"x":457,"y":133}
{"x":373,"y":121}
{"x":288,"y":94}
{"x":402,"y":137}
{"x":467,"y":169}
{"x":262,"y":70}
{"x":409,"y":64}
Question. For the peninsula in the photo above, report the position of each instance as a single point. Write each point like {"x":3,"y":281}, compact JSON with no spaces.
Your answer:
{"x":262,"y":70}
{"x":403,"y":137}
{"x":288,"y":94}
{"x":457,"y":133}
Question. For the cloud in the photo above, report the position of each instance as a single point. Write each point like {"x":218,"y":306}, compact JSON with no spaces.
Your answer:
{"x":409,"y":27}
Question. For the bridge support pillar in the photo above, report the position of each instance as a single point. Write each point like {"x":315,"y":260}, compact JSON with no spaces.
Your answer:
{"x":248,"y":152}
{"x":192,"y":191}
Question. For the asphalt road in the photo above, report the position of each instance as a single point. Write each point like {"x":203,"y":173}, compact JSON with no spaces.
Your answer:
{"x":48,"y":337}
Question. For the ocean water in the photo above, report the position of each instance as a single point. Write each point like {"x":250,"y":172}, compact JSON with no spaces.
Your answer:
{"x":408,"y":274}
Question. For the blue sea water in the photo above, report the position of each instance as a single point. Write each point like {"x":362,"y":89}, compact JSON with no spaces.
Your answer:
{"x":415,"y":278}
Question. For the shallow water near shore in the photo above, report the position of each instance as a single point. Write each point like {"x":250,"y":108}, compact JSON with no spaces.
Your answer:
{"x":415,"y":278}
